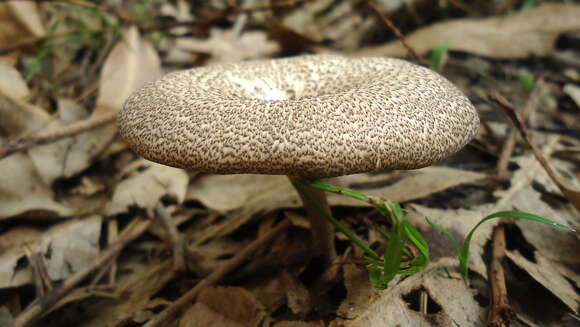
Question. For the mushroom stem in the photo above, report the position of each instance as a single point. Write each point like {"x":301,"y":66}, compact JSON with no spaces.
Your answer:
{"x":322,"y":230}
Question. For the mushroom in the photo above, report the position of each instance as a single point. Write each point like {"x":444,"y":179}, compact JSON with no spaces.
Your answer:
{"x":308,"y":117}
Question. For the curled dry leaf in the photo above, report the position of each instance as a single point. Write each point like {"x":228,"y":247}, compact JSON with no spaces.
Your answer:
{"x":144,"y":184}
{"x":517,"y":35}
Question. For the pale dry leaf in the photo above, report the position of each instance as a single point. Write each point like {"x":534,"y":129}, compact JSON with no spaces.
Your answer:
{"x":132,"y":63}
{"x":12,"y":83}
{"x":11,"y":242}
{"x":22,"y":190}
{"x":224,"y":47}
{"x":548,"y":277}
{"x":69,"y":156}
{"x":66,"y":248}
{"x":6,"y":318}
{"x":573,"y":92}
{"x":517,"y":35}
{"x":70,"y":246}
{"x":18,"y":116}
{"x":146,"y":183}
{"x":389,"y":308}
{"x":28,"y":15}
{"x":260,"y":192}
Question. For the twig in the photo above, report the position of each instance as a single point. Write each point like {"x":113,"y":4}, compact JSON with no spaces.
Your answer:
{"x":500,"y":315}
{"x":53,"y":136}
{"x":174,"y":237}
{"x":510,"y":143}
{"x":397,"y":32}
{"x":569,"y":191}
{"x":506,"y":153}
{"x":43,"y":304}
{"x":41,"y":280}
{"x":162,"y":318}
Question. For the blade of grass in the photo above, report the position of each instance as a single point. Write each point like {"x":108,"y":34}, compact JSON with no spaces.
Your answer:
{"x":464,"y":255}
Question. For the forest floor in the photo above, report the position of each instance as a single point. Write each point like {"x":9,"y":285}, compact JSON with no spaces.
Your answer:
{"x":91,"y":234}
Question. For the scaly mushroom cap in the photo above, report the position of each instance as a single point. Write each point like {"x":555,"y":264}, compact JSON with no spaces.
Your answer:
{"x":311,"y":116}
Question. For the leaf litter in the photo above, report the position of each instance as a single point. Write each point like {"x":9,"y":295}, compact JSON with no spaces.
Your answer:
{"x":236,"y":272}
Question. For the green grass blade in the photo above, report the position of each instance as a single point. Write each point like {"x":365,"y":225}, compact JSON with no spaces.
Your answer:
{"x":464,"y":255}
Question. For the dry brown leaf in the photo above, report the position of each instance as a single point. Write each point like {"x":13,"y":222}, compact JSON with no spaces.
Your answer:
{"x":368,"y":308}
{"x":224,"y":47}
{"x":146,"y":183}
{"x":27,"y":15}
{"x":22,"y":190}
{"x":224,"y":306}
{"x":297,"y":295}
{"x":518,"y":35}
{"x":132,"y":63}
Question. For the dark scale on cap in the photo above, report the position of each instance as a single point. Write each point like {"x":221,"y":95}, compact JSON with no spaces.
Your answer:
{"x":311,"y":116}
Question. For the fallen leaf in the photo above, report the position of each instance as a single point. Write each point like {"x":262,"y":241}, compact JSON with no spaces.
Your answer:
{"x":225,"y":47}
{"x":454,"y":303}
{"x":551,"y":279}
{"x":23,"y":191}
{"x":66,"y":248}
{"x":517,"y":35}
{"x":146,"y":184}
{"x":70,"y":246}
{"x":27,"y":15}
{"x":224,"y":306}
{"x":19,"y":117}
{"x":69,"y":156}
{"x":132,"y":63}
{"x":261,"y":192}
{"x":573,"y":92}
{"x":12,"y":83}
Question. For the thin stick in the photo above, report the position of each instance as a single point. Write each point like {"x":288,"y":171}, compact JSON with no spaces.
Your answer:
{"x":500,"y":315}
{"x":397,"y":32}
{"x":174,"y":237}
{"x":163,"y":318}
{"x":66,"y":131}
{"x":43,"y":304}
{"x":506,"y":153}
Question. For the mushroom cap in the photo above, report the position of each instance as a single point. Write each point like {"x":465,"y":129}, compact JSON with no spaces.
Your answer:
{"x":312,"y":116}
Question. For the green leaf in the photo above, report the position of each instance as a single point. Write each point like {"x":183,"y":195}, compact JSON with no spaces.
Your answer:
{"x":437,"y":54}
{"x":527,"y":80}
